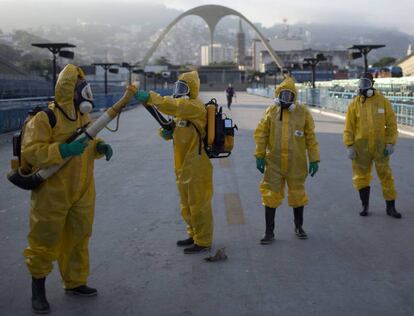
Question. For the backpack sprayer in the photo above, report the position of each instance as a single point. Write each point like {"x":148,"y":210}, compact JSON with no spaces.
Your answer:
{"x":32,"y":180}
{"x":219,"y":139}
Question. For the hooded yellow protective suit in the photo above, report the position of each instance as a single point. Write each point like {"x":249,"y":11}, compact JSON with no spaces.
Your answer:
{"x":370,"y":125}
{"x":193,"y":170}
{"x":62,"y":208}
{"x":283,"y":144}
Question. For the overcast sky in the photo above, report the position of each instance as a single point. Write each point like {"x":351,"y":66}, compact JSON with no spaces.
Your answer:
{"x":388,"y":13}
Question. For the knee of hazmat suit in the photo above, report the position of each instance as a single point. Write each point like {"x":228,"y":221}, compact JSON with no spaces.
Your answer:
{"x":285,"y":141}
{"x":194,"y":172}
{"x":369,"y":126}
{"x":62,"y":207}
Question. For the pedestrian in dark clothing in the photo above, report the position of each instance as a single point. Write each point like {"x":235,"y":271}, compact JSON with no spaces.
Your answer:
{"x":230,"y":93}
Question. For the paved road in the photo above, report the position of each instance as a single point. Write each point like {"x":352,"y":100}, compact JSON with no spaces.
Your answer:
{"x":349,"y":265}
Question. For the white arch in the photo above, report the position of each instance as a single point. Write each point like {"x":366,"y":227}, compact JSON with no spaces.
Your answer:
{"x":212,"y":14}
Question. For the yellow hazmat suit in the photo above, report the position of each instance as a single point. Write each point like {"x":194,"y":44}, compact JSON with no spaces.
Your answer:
{"x":62,"y":208}
{"x":283,"y":144}
{"x":193,"y":170}
{"x":371,"y":125}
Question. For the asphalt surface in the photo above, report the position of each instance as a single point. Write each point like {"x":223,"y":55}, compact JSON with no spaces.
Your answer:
{"x":349,"y":265}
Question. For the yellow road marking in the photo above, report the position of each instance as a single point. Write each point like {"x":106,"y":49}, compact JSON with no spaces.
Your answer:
{"x":234,"y":210}
{"x":225,"y":163}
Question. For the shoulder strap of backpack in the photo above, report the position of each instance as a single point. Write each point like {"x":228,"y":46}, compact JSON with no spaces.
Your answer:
{"x":199,"y":137}
{"x":17,"y":149}
{"x":51,"y":116}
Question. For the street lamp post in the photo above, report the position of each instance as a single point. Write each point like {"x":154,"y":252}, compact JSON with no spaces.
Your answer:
{"x":363,"y":50}
{"x":106,"y":67}
{"x":130,"y":68}
{"x":242,"y":70}
{"x":56,"y":49}
{"x":313,"y":61}
{"x":145,"y":80}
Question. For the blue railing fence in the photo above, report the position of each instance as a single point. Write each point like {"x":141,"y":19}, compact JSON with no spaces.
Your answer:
{"x":338,"y":101}
{"x":13,"y":112}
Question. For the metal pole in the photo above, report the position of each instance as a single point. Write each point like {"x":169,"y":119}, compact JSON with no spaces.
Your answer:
{"x":366,"y":61}
{"x":211,"y":46}
{"x":106,"y":80}
{"x":54,"y":73}
{"x":313,"y":75}
{"x":130,"y":75}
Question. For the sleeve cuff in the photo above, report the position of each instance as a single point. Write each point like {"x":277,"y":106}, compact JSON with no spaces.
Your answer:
{"x":55,"y":155}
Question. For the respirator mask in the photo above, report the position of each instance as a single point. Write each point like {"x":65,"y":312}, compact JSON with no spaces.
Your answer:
{"x":286,"y":100}
{"x":365,"y":87}
{"x":84,"y":98}
{"x":181,"y":89}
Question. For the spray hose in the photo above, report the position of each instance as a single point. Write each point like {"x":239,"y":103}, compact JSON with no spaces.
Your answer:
{"x":164,"y":123}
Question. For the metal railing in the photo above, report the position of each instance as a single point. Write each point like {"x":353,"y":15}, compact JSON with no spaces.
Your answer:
{"x":338,"y":101}
{"x":13,"y":112}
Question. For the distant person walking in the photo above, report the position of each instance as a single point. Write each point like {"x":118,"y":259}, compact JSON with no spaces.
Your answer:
{"x":230,"y":93}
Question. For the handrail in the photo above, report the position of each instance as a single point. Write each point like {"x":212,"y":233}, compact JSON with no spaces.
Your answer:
{"x":339,"y":101}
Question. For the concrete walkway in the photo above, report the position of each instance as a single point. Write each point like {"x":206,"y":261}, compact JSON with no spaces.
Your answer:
{"x":349,"y":266}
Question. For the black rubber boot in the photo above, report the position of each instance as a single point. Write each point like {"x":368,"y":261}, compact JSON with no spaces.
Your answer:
{"x":269,"y":236}
{"x":185,"y":242}
{"x":391,"y":211}
{"x":195,"y":249}
{"x":40,"y":304}
{"x":364,"y":196}
{"x":82,"y":290}
{"x":298,"y":219}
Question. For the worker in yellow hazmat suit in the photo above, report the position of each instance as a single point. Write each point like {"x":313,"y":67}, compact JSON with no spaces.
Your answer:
{"x":283,"y":136}
{"x":62,"y":207}
{"x":193,"y":169}
{"x":370,"y":135}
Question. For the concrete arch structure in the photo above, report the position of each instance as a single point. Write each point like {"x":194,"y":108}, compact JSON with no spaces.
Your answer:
{"x":212,"y":14}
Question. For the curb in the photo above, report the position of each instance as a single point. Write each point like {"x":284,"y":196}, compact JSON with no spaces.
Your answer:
{"x":401,"y":130}
{"x":326,"y":113}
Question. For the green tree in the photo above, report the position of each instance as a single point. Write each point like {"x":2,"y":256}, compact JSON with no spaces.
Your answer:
{"x":384,"y":61}
{"x":9,"y":53}
{"x":38,"y":67}
{"x":25,"y":39}
{"x":162,"y":61}
{"x":223,"y":63}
